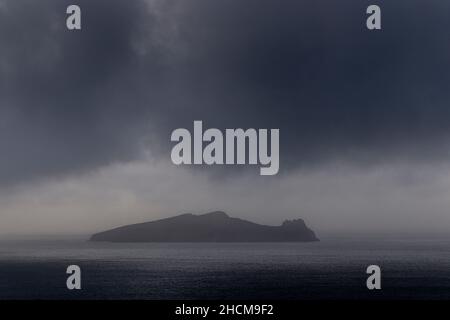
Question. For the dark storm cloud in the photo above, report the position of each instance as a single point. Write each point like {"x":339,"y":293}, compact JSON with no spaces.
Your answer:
{"x":73,"y":101}
{"x":67,"y":102}
{"x":334,"y":88}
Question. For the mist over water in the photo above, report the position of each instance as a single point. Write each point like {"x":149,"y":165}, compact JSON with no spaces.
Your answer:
{"x":362,"y":129}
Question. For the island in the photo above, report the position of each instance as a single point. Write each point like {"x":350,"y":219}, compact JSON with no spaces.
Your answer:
{"x":210,"y":227}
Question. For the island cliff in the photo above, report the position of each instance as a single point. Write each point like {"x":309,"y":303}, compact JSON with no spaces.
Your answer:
{"x":211,"y":227}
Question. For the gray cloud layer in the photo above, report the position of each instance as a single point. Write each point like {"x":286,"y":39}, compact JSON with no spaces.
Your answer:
{"x":74,"y":101}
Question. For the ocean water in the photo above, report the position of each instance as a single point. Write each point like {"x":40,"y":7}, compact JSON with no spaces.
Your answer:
{"x":329,"y":269}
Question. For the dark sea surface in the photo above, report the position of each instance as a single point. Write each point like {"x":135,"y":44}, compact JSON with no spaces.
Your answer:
{"x":330,"y":269}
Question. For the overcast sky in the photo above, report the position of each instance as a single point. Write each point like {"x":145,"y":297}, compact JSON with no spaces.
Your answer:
{"x":86,"y":116}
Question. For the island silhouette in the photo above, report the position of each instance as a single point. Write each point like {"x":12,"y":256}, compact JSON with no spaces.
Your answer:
{"x":214,"y":226}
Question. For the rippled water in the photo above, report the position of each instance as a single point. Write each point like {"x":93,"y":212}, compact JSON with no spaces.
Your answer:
{"x":330,"y":269}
